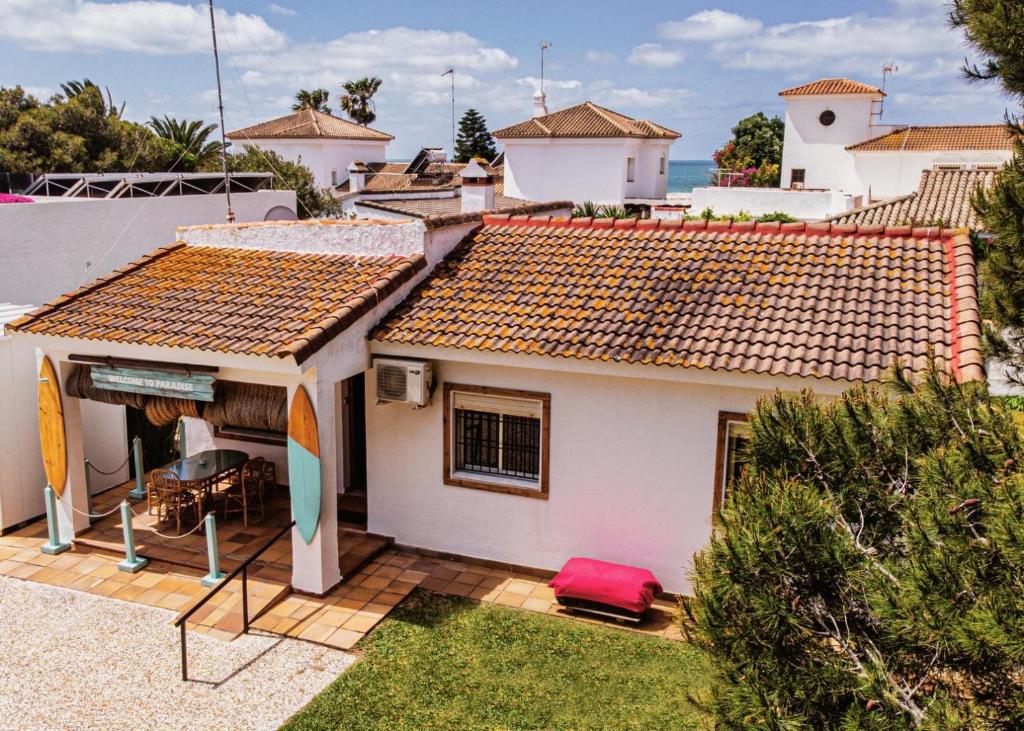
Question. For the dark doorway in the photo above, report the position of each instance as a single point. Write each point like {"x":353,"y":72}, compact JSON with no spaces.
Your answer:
{"x":158,"y":446}
{"x":352,"y":502}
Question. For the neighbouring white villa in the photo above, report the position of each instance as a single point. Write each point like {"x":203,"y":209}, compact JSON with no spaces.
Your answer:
{"x":431,"y":188}
{"x":519,"y":389}
{"x":68,"y":229}
{"x":325,"y":144}
{"x":837,"y":155}
{"x":586,"y":153}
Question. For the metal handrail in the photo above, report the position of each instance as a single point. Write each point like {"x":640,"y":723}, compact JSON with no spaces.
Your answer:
{"x":242,"y":569}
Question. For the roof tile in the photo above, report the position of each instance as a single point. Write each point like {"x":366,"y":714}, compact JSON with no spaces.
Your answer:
{"x":943,"y":197}
{"x":308,"y":123}
{"x":246,"y":301}
{"x":586,"y":120}
{"x":832,"y":86}
{"x":939,"y":138}
{"x":839,"y":304}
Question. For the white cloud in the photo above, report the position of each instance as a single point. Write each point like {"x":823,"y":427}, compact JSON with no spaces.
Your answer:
{"x":709,"y":25}
{"x":655,"y":55}
{"x":281,"y":10}
{"x":856,"y":43}
{"x":138,"y":26}
{"x":407,"y":59}
{"x":601,"y":57}
{"x":639,"y":98}
{"x":534,"y":83}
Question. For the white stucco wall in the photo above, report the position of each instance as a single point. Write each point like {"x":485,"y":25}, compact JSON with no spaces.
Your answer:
{"x":22,"y":478}
{"x":631,"y":472}
{"x":324,"y":156}
{"x":53,"y":246}
{"x":810,"y":205}
{"x":820,"y":150}
{"x":581,"y":170}
{"x":890,"y":174}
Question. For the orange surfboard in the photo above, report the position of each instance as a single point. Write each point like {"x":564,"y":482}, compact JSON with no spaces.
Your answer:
{"x":304,"y":465}
{"x":52,"y":439}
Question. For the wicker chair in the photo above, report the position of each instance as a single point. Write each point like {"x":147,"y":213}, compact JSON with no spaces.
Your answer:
{"x":248,"y":491}
{"x":165,"y":493}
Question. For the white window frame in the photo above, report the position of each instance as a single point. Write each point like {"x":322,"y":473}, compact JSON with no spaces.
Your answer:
{"x":630,"y":169}
{"x":661,"y":165}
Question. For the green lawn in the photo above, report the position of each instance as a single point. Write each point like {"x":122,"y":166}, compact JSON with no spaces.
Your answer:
{"x":446,"y":663}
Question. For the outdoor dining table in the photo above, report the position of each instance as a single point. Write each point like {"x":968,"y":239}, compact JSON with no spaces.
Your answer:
{"x":201,"y":471}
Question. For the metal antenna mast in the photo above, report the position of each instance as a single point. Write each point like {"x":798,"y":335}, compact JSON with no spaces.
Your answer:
{"x":887,"y":70}
{"x":220,"y":107}
{"x":446,"y":73}
{"x":544,"y":45}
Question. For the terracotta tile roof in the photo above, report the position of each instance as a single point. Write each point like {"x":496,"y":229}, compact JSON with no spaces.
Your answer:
{"x":832,"y":86}
{"x":307,"y":123}
{"x":246,"y":301}
{"x":392,"y":178}
{"x":939,"y":138}
{"x":809,"y":300}
{"x":586,"y":120}
{"x":432,"y":207}
{"x":942,"y":198}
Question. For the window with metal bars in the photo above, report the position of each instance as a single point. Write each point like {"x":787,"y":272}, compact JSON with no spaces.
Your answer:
{"x":492,"y":443}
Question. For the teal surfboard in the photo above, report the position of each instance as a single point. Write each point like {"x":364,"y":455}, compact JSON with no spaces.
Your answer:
{"x":304,"y":465}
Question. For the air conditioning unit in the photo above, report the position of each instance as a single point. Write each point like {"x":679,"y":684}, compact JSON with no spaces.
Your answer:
{"x":407,"y":381}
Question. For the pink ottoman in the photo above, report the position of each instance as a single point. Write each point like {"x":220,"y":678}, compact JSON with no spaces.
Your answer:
{"x":609,"y":589}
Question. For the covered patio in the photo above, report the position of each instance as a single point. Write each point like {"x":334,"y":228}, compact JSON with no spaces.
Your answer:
{"x":260,"y":351}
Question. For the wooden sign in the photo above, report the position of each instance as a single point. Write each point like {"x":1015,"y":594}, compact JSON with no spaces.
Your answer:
{"x":304,"y":465}
{"x":192,"y":386}
{"x":52,"y":439}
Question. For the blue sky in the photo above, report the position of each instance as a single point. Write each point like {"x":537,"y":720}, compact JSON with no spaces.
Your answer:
{"x":697,"y":67}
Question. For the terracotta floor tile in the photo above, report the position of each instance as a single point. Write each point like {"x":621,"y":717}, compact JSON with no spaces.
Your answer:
{"x":536,"y":605}
{"x":509,"y":599}
{"x":359,"y":592}
{"x":484,"y":594}
{"x":361,"y":623}
{"x":344,"y":639}
{"x":434,"y":584}
{"x":317,"y":632}
{"x":376,"y":610}
{"x":350,"y":603}
{"x":518,"y":586}
{"x":389,"y":598}
{"x":459,"y":589}
{"x":444,"y":574}
{"x":374,"y":582}
{"x":472,"y":578}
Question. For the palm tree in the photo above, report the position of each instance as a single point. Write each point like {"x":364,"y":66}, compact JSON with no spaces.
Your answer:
{"x":315,"y":100}
{"x":358,"y":99}
{"x":74,"y":88}
{"x":191,"y":140}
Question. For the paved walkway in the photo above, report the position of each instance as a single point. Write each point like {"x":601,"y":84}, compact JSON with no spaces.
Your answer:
{"x":72,"y":660}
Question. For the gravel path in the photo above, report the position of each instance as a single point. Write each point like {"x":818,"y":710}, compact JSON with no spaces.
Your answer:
{"x":70,"y":660}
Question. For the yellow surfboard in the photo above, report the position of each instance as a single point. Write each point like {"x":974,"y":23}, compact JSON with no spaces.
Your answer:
{"x":52,"y":439}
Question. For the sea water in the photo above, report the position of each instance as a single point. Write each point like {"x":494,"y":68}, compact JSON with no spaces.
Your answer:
{"x":685,"y":175}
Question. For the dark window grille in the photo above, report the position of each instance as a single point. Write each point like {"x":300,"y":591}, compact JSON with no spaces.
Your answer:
{"x":497,"y":444}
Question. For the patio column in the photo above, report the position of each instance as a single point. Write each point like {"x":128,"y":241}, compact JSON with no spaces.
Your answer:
{"x":315,"y":567}
{"x":75,"y":495}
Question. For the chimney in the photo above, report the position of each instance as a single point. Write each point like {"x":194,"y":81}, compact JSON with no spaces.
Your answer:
{"x":477,"y":189}
{"x":540,"y":104}
{"x":357,"y":171}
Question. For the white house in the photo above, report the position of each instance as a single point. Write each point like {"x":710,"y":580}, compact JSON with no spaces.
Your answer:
{"x":325,"y":144}
{"x":838,"y":156}
{"x":586,"y":153}
{"x":584,"y":396}
{"x":79,"y":227}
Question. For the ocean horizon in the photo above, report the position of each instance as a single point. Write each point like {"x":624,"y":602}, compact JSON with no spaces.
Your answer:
{"x":685,"y":175}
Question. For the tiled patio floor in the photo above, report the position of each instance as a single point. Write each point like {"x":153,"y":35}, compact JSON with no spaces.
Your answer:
{"x":339,"y":619}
